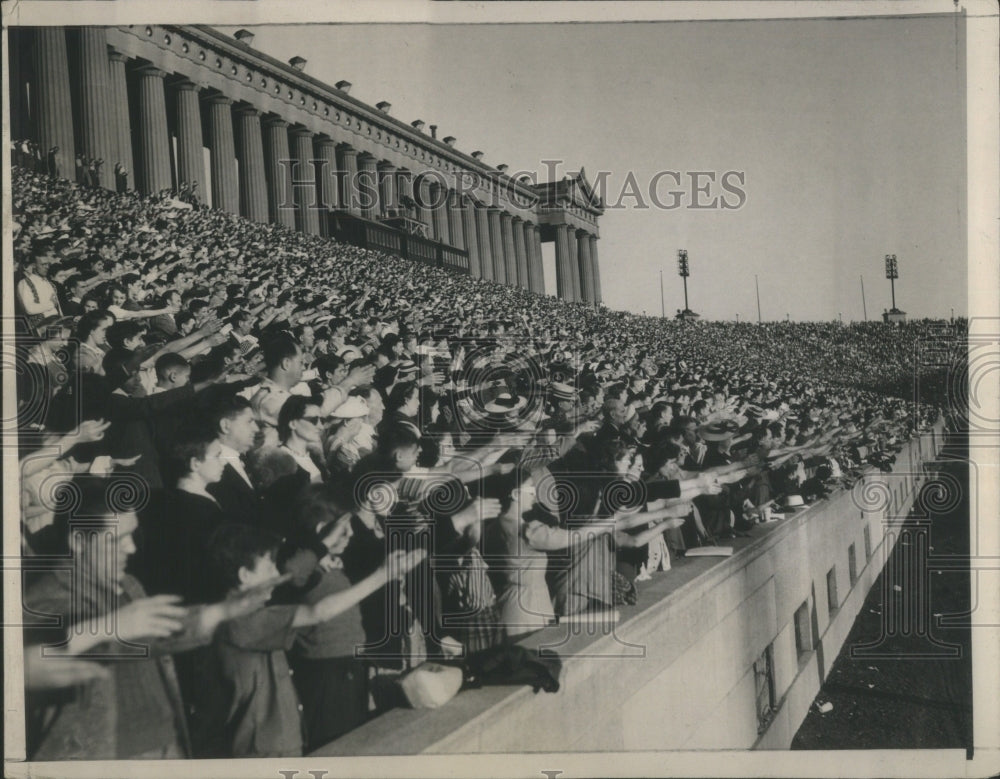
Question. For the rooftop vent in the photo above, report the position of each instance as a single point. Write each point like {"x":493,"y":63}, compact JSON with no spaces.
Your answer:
{"x":434,"y":131}
{"x":477,"y":155}
{"x":418,"y":125}
{"x":343,"y":86}
{"x":384,"y":106}
{"x":450,"y":140}
{"x":299,"y":63}
{"x":244,"y":36}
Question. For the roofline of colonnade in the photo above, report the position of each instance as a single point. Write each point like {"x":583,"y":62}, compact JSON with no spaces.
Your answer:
{"x":372,"y":113}
{"x":343,"y":100}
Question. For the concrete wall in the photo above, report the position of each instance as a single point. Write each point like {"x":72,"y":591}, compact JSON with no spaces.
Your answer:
{"x":676,"y":672}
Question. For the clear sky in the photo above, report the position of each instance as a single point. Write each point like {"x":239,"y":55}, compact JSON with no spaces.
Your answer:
{"x":850,"y":135}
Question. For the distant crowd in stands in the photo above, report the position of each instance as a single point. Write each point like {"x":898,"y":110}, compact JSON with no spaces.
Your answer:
{"x":293,"y":469}
{"x":28,"y":155}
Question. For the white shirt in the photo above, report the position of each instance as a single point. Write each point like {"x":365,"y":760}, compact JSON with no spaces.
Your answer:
{"x":231,"y":457}
{"x":47,"y":303}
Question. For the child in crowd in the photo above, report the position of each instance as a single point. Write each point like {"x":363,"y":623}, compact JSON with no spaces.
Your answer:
{"x":263,"y":711}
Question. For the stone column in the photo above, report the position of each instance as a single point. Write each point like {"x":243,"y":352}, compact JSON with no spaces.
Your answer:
{"x":347,"y":165}
{"x":521,"y":253}
{"x":574,"y":264}
{"x":97,"y":130}
{"x":586,"y":267}
{"x":496,"y":247}
{"x":278,"y":170}
{"x":529,"y":254}
{"x":509,"y":255}
{"x":404,"y":186}
{"x":535,"y":252}
{"x":368,"y":186}
{"x":19,"y":41}
{"x":154,"y":142}
{"x":121,"y":119}
{"x":250,"y":154}
{"x":304,"y":191}
{"x":329,"y":196}
{"x":388,"y":199}
{"x":222,"y":155}
{"x":469,"y":233}
{"x":51,"y":104}
{"x":190,"y":155}
{"x":483,"y":242}
{"x":455,"y":220}
{"x":439,"y":213}
{"x":564,"y":263}
{"x":596,"y":272}
{"x":422,"y":195}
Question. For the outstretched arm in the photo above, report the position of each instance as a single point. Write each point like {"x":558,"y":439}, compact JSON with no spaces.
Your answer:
{"x":398,"y":563}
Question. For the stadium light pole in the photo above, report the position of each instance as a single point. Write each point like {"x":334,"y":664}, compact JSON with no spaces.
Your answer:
{"x":892,"y":273}
{"x":757,"y":287}
{"x":684,"y":271}
{"x":663,"y":307}
{"x":864,"y":305}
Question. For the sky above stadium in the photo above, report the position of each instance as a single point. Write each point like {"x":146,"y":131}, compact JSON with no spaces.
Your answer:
{"x":839,"y":141}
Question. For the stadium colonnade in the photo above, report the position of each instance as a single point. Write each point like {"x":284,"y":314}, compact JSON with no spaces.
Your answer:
{"x":284,"y":147}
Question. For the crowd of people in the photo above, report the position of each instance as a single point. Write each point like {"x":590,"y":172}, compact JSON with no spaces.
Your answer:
{"x":289,"y":470}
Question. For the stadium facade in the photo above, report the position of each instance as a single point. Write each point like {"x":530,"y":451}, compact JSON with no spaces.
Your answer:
{"x":286,"y":148}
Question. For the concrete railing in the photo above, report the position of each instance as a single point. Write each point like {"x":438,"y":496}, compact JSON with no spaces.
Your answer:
{"x":719,"y":653}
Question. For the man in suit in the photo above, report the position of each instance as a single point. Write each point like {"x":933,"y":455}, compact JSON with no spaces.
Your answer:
{"x":234,"y":421}
{"x":238,"y":432}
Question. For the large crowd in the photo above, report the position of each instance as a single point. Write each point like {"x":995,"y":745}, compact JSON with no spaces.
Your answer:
{"x":292,"y":472}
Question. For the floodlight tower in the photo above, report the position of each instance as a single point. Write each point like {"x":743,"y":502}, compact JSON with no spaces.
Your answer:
{"x":892,"y":273}
{"x":684,"y":270}
{"x":893,"y":315}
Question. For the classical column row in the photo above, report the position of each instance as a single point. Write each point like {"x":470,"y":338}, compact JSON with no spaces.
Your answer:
{"x":577,"y":275}
{"x":258,"y":165}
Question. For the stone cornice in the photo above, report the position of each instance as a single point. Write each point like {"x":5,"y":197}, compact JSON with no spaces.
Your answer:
{"x":259,"y":61}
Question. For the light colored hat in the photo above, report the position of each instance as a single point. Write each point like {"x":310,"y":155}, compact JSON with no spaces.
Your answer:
{"x":505,"y":403}
{"x":561,"y":391}
{"x":349,"y":354}
{"x":351,"y":408}
{"x":405,"y":368}
{"x":719,"y":430}
{"x":431,"y":685}
{"x":793,"y":502}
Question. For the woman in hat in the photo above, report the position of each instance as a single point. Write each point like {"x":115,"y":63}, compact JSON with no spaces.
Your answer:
{"x":341,"y":445}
